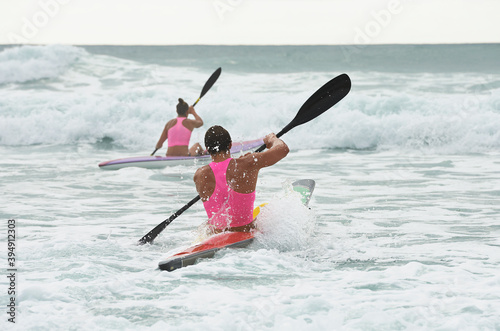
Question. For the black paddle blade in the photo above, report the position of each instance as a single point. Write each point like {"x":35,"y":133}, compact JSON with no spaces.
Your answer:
{"x":210,"y":82}
{"x":322,"y":100}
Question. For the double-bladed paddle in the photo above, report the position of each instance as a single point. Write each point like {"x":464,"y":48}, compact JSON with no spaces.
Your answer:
{"x":322,"y":100}
{"x":208,"y":85}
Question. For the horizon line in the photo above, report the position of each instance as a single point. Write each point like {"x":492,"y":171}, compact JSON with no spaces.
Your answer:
{"x":259,"y":45}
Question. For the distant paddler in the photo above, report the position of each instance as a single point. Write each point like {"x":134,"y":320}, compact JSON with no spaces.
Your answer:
{"x":178,"y":132}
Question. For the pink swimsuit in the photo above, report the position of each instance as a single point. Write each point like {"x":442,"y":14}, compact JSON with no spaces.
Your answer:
{"x":225,"y":207}
{"x":179,"y":135}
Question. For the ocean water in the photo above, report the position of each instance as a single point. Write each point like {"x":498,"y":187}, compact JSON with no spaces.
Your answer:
{"x":403,"y":229}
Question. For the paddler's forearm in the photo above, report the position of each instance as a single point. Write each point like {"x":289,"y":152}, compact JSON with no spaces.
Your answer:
{"x":279,"y":147}
{"x":197,"y":118}
{"x":162,"y":139}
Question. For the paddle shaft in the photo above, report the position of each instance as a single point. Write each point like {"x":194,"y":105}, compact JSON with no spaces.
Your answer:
{"x":322,"y":100}
{"x":148,"y":238}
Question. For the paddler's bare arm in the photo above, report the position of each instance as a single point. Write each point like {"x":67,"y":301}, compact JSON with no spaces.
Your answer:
{"x":197,"y":122}
{"x":276,"y":150}
{"x":164,"y":134}
{"x":244,"y":171}
{"x":205,"y":182}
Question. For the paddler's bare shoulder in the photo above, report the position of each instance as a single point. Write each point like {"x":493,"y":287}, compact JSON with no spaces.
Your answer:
{"x":171,"y":123}
{"x":249,"y":160}
{"x":203,"y":173}
{"x":204,"y":181}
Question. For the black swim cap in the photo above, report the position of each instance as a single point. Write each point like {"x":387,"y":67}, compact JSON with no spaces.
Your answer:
{"x":217,"y":139}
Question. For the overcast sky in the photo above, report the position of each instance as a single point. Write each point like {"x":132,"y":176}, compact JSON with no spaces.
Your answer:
{"x":250,"y":22}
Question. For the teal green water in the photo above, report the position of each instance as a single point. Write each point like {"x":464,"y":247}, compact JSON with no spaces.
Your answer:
{"x":402,"y":230}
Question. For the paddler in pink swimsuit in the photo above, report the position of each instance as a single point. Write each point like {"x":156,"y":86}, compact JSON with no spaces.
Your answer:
{"x":178,"y":132}
{"x":227,"y":186}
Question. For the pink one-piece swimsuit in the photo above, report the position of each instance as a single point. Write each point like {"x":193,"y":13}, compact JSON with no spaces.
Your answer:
{"x":179,"y":135}
{"x":225,"y":207}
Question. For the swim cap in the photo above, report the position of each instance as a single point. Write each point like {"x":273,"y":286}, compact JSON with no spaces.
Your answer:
{"x":217,"y":139}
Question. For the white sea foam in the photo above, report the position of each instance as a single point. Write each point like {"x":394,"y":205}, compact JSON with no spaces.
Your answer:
{"x":30,"y":63}
{"x":126,"y":103}
{"x":286,"y":224}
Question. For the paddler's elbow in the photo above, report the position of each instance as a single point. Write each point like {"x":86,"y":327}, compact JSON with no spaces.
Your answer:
{"x":285,"y":149}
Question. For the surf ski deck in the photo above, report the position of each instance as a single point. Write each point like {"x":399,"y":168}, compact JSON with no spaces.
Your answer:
{"x":208,"y":247}
{"x":159,"y":162}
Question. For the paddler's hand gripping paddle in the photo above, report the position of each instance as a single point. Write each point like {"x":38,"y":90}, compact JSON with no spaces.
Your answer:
{"x":208,"y":85}
{"x":322,"y":100}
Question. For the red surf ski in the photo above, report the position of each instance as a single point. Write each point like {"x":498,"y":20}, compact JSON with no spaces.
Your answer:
{"x":207,"y":249}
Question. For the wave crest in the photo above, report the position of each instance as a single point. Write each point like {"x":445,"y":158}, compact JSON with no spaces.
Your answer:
{"x":28,"y":63}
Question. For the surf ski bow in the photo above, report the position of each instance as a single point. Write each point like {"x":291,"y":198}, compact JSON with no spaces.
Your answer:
{"x":208,"y":247}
